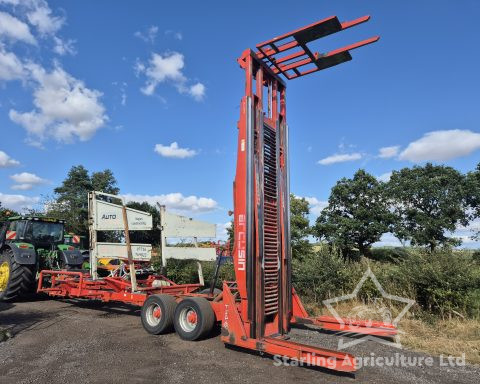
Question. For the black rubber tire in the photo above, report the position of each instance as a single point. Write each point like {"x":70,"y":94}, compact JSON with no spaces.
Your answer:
{"x":167,"y":305}
{"x":21,"y":277}
{"x":205,"y":318}
{"x":206,"y":291}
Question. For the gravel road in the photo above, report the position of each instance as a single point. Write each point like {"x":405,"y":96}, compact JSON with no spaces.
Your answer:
{"x":61,"y":341}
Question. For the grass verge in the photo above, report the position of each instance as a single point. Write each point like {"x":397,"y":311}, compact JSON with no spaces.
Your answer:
{"x":423,"y":334}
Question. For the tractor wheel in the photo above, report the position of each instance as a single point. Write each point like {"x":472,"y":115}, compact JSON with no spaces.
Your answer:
{"x":157,"y":314}
{"x":15,"y":279}
{"x":194,"y":318}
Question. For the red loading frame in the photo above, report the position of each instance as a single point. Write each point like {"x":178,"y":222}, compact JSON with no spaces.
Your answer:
{"x":77,"y":284}
{"x":262,"y":306}
{"x":259,"y":308}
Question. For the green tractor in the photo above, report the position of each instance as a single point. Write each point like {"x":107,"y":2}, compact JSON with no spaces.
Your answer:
{"x":29,"y":244}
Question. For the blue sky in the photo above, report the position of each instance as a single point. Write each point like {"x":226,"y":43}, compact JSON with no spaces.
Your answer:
{"x":116,"y":84}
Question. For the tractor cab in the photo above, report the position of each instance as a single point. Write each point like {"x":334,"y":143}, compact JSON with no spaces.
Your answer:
{"x":40,"y":232}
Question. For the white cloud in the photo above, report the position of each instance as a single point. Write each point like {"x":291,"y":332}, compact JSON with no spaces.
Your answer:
{"x":340,"y":158}
{"x":18,"y":202}
{"x":473,"y":226}
{"x":47,"y":25}
{"x":14,"y":29}
{"x":139,"y":67}
{"x":388,"y":240}
{"x":316,"y":206}
{"x":11,"y":67}
{"x":168,"y":68}
{"x":197,"y":91}
{"x":63,"y":47}
{"x":176,"y":35}
{"x":467,"y":233}
{"x":442,"y":145}
{"x":26,"y":177}
{"x":384,"y":177}
{"x":7,"y":161}
{"x":177,"y":202}
{"x":463,"y":233}
{"x":388,"y":152}
{"x":123,"y":94}
{"x":22,"y":187}
{"x":149,"y":35}
{"x":41,"y":17}
{"x":64,"y":107}
{"x":222,"y":228}
{"x":25,"y":181}
{"x":173,"y":150}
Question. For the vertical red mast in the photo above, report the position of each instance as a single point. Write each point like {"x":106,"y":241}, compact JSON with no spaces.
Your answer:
{"x":262,"y":252}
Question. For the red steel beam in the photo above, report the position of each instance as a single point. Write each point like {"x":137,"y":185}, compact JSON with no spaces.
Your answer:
{"x":290,"y":57}
{"x":301,"y":36}
{"x":362,"y":327}
{"x":360,"y":20}
{"x":351,"y":46}
{"x":289,"y":34}
{"x":308,"y":60}
{"x":320,"y":357}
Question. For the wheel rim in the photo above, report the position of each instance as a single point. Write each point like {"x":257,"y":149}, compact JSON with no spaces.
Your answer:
{"x":188,"y":319}
{"x":154,"y":314}
{"x":4,"y":276}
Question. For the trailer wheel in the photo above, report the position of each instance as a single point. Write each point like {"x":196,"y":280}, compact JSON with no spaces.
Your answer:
{"x":194,"y":318}
{"x":157,"y":314}
{"x":15,"y":279}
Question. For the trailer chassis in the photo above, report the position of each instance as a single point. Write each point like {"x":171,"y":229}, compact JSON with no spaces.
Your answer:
{"x":257,"y":311}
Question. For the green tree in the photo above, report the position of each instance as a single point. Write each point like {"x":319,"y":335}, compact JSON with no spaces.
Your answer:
{"x":356,"y":216}
{"x":428,"y":202}
{"x":299,"y":227}
{"x":70,"y":201}
{"x":104,"y":181}
{"x":473,"y":195}
{"x":5,"y":213}
{"x":146,"y":237}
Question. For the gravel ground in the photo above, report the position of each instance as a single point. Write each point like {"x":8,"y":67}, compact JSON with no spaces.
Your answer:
{"x":60,"y":341}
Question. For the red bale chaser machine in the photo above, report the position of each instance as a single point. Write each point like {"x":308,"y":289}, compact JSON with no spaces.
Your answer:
{"x":258,"y":309}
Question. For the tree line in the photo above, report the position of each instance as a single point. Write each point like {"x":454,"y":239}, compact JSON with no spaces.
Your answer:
{"x":422,"y":206}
